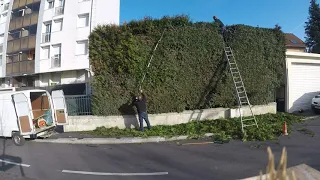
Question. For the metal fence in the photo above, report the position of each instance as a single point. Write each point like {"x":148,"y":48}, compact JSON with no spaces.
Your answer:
{"x":78,"y":105}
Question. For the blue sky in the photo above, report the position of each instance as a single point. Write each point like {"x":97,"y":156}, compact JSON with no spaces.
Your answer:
{"x":289,"y":14}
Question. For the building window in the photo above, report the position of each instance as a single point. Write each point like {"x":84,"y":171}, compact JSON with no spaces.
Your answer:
{"x":50,"y":4}
{"x":57,"y":26}
{"x":0,"y":60}
{"x":1,"y":48}
{"x":6,"y":7}
{"x":82,"y":47}
{"x":56,"y":56}
{"x":45,"y":52}
{"x":83,"y":20}
{"x":46,"y":36}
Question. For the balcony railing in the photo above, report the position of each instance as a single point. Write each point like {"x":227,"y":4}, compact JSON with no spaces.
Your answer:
{"x":59,"y":11}
{"x":46,"y":37}
{"x":56,"y":61}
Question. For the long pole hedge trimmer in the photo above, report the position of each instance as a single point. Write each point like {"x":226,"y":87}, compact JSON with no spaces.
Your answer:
{"x":155,"y":48}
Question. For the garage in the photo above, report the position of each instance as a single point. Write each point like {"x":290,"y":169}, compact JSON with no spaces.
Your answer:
{"x":303,"y":80}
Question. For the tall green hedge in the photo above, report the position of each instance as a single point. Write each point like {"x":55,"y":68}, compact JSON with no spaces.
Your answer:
{"x":188,"y":71}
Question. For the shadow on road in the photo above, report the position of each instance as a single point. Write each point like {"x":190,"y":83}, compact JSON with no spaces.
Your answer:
{"x":14,"y":160}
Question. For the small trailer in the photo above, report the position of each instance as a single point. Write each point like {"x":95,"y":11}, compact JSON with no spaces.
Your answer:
{"x":25,"y":114}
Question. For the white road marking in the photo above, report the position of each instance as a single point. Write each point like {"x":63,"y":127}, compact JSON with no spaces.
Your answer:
{"x":115,"y":174}
{"x":18,"y":164}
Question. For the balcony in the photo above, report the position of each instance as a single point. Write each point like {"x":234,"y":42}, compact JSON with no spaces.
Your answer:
{"x":46,"y":37}
{"x":59,"y":11}
{"x":56,"y":61}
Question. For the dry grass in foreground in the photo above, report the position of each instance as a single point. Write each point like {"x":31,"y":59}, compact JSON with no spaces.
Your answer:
{"x":281,"y":173}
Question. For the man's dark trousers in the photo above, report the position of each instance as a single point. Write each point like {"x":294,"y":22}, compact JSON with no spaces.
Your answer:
{"x":144,"y":116}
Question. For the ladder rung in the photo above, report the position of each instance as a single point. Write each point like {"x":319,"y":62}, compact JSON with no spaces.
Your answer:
{"x":238,"y":82}
{"x":242,"y":97}
{"x":233,"y":68}
{"x":241,"y":92}
{"x":250,"y":119}
{"x":236,"y":72}
{"x":247,"y":125}
{"x":239,"y":87}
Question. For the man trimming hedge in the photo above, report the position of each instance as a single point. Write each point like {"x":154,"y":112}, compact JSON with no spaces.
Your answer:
{"x":141,"y":104}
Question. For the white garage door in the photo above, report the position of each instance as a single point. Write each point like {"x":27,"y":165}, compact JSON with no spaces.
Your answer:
{"x":304,"y":85}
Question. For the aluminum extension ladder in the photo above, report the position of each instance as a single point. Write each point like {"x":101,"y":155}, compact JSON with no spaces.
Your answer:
{"x":243,"y":99}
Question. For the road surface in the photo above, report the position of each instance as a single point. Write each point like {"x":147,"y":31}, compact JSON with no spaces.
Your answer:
{"x":158,"y":161}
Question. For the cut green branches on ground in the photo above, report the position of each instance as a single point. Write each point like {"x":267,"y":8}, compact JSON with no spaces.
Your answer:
{"x":270,"y":127}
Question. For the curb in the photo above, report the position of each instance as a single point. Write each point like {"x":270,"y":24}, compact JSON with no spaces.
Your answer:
{"x":125,"y":140}
{"x":310,"y":118}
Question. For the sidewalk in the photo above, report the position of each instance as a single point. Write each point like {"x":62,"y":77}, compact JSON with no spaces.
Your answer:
{"x":78,"y":138}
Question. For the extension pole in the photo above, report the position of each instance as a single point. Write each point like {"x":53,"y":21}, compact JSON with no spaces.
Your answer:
{"x":155,"y":48}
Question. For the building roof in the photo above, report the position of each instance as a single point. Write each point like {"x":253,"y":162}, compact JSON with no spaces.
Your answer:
{"x":293,"y":41}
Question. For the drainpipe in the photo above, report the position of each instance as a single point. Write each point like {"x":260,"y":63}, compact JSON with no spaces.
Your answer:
{"x":91,"y":15}
{"x":90,"y":29}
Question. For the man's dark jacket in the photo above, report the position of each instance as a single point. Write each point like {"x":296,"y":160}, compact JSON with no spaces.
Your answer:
{"x":141,"y":104}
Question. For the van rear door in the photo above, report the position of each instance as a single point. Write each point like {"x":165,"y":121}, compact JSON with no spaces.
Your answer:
{"x":59,"y":107}
{"x":23,"y":112}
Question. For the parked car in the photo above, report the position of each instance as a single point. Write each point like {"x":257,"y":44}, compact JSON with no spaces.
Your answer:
{"x":315,"y":105}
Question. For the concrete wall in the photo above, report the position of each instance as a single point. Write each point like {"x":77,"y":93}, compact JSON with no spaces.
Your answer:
{"x":87,"y":123}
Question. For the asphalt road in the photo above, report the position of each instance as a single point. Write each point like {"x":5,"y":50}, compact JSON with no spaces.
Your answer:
{"x":169,"y":161}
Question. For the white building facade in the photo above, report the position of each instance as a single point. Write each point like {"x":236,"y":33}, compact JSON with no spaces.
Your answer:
{"x":45,"y":42}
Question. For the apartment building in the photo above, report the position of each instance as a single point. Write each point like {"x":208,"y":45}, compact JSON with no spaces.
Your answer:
{"x":45,"y":42}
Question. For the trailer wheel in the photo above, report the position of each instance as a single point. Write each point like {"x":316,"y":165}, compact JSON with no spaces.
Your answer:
{"x":17,"y":139}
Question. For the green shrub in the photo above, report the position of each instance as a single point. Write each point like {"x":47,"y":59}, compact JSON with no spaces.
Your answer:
{"x":188,"y":70}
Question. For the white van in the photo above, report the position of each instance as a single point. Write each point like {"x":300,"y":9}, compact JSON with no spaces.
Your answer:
{"x":24,"y":114}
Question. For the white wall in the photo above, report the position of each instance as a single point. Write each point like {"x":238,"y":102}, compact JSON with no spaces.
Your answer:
{"x":294,"y":58}
{"x":105,"y":12}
